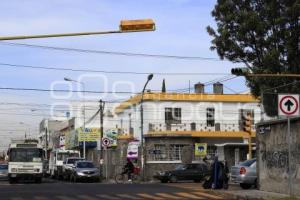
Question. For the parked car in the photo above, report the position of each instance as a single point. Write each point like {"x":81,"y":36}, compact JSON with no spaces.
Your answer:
{"x":245,"y":174}
{"x":195,"y":172}
{"x":68,"y":165}
{"x":3,"y":171}
{"x":85,"y":171}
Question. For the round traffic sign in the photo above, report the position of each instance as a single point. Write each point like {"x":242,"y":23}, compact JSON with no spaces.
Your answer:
{"x":288,"y":105}
{"x":106,"y":142}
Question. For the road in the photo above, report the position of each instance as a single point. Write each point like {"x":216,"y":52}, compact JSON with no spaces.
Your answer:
{"x":57,"y":190}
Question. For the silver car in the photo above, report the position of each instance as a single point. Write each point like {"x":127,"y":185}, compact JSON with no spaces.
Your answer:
{"x":245,"y":174}
{"x":3,"y":171}
{"x":85,"y":171}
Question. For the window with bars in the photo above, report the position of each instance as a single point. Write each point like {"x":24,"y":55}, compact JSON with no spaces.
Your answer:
{"x":173,"y":115}
{"x":160,"y":152}
{"x":176,"y":151}
{"x":210,"y":117}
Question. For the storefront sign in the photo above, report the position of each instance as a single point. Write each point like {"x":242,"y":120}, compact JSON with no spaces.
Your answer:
{"x":133,"y":150}
{"x":200,"y":149}
{"x":112,"y":135}
{"x":89,"y":135}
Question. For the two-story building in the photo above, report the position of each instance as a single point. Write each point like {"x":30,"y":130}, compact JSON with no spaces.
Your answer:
{"x":176,"y":123}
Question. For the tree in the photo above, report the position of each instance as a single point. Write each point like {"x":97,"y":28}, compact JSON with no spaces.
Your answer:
{"x":264,"y":35}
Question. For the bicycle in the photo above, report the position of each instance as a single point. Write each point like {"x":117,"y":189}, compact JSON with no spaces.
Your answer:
{"x":123,"y":178}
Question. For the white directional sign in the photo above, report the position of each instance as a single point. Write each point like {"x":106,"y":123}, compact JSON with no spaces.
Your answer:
{"x":288,"y":104}
{"x":106,"y":142}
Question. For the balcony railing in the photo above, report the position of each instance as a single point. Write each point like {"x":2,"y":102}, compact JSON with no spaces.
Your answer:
{"x":193,"y":126}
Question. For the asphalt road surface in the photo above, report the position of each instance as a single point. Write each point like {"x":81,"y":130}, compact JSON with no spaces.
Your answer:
{"x":57,"y":190}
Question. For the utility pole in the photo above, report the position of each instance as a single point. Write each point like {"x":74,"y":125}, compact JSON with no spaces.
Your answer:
{"x":46,"y":143}
{"x":101,"y":113}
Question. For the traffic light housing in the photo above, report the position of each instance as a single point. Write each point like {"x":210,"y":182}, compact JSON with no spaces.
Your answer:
{"x":240,"y":71}
{"x":137,"y":25}
{"x":247,"y":122}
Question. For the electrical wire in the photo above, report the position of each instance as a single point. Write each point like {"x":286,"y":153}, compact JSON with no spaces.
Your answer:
{"x":110,"y":72}
{"x":111,"y":52}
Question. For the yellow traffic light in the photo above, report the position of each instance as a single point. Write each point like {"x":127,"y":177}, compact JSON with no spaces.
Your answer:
{"x":137,"y":25}
{"x":247,"y":123}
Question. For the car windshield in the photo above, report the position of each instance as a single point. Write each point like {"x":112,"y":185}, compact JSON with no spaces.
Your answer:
{"x":65,"y":155}
{"x":25,"y":155}
{"x":3,"y":167}
{"x":180,"y":167}
{"x":72,"y":161}
{"x":247,"y":163}
{"x":85,"y":165}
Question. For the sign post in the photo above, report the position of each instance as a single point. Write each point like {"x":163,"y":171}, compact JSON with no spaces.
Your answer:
{"x":288,"y":105}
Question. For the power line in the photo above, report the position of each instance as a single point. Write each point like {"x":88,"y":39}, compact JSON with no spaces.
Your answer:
{"x":56,"y":90}
{"x":111,"y":72}
{"x":111,"y":52}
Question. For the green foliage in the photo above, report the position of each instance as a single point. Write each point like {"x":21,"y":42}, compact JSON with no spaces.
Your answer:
{"x":265,"y":36}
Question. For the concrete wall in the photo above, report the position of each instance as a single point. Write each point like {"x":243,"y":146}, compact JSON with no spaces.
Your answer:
{"x":272,"y":154}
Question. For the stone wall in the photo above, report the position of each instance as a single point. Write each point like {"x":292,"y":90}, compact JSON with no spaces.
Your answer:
{"x":272,"y":154}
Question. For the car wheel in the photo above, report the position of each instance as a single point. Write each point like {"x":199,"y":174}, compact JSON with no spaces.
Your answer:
{"x":245,"y":186}
{"x":164,"y":181}
{"x":12,"y":180}
{"x":255,"y":184}
{"x":173,"y":179}
{"x":38,"y":180}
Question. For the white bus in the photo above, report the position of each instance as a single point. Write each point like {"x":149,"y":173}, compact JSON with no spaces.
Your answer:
{"x":25,"y":161}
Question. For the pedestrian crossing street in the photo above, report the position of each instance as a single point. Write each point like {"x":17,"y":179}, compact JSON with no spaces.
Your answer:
{"x":185,"y":191}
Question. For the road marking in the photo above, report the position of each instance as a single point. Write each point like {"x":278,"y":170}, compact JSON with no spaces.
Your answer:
{"x":127,"y":196}
{"x":64,"y":198}
{"x":187,"y":195}
{"x":86,"y":197}
{"x":168,"y":196}
{"x":40,"y":198}
{"x":207,"y":195}
{"x":104,"y":196}
{"x":148,"y":196}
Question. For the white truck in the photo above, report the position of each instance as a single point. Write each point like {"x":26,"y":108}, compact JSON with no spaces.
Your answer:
{"x":56,"y":161}
{"x":25,"y":160}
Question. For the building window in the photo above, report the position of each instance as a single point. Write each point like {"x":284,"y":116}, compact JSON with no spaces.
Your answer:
{"x":210,"y":117}
{"x":193,"y":126}
{"x":176,"y":151}
{"x":160,"y":152}
{"x":173,"y":115}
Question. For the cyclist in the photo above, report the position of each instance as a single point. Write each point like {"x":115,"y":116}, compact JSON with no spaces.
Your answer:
{"x":128,"y":169}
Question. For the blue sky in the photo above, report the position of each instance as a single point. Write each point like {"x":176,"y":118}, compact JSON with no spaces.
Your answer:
{"x":181,"y":30}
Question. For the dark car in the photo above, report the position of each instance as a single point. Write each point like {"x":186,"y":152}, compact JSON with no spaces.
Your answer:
{"x":3,"y":171}
{"x":195,"y":172}
{"x":84,"y":171}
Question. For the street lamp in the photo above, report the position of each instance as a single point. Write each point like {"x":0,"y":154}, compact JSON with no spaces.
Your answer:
{"x":83,"y":86}
{"x":22,"y":123}
{"x":126,"y":26}
{"x":150,"y":76}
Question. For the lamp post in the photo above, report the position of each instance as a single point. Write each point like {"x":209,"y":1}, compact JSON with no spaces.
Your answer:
{"x":150,"y":76}
{"x":83,"y":86}
{"x":22,"y":123}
